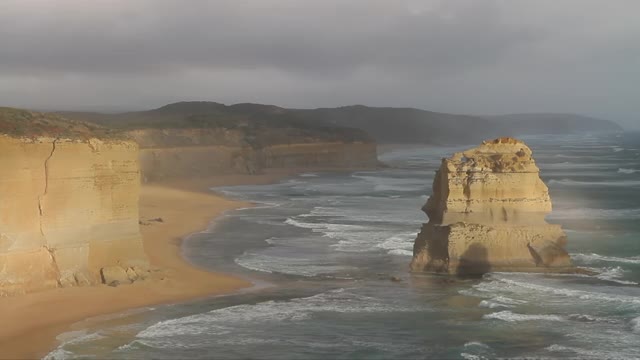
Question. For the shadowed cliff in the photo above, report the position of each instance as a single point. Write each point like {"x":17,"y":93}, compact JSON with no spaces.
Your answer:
{"x":204,"y":138}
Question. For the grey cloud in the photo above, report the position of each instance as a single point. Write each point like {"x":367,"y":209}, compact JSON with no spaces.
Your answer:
{"x":463,"y":56}
{"x":324,"y":38}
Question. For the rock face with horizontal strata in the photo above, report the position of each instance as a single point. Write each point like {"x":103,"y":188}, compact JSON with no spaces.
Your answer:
{"x":68,"y":208}
{"x":487,"y":213}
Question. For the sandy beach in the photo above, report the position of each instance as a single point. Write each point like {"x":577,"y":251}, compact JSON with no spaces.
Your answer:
{"x":30,"y":323}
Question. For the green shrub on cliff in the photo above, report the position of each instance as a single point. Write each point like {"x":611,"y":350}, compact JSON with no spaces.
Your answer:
{"x":30,"y":124}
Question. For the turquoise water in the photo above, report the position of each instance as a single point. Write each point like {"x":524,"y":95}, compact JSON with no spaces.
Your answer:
{"x":322,"y":248}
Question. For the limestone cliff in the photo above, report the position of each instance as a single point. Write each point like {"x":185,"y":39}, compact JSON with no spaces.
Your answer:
{"x":172,"y":153}
{"x":68,"y":205}
{"x":487,"y":213}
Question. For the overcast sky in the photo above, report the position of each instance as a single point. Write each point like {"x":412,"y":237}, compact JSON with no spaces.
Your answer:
{"x":460,"y":56}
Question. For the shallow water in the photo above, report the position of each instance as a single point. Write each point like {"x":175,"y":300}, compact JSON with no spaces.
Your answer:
{"x":324,"y":246}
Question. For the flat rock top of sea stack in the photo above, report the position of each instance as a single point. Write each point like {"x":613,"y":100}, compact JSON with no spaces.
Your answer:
{"x":500,"y":155}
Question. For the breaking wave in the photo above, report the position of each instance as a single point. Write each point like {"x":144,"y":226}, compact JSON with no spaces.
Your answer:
{"x":509,"y":316}
{"x":593,"y":257}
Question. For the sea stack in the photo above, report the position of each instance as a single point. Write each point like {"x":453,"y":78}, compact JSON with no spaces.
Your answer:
{"x":487,"y":213}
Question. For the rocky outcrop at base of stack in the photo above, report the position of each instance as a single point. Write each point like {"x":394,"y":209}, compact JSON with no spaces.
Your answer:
{"x":487,"y":213}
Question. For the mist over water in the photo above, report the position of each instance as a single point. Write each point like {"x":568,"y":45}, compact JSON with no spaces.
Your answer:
{"x":322,"y":248}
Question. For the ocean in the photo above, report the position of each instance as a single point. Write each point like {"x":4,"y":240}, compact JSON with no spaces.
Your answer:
{"x":322,"y":248}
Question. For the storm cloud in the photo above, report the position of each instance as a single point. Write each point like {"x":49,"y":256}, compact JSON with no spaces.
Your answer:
{"x":462,"y":56}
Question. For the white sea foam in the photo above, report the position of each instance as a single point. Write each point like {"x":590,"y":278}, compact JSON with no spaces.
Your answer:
{"x":357,"y":238}
{"x":492,"y":305}
{"x":59,"y":354}
{"x":476,"y":344}
{"x":500,"y":302}
{"x":309,"y":175}
{"x":509,"y":316}
{"x":581,"y":352}
{"x":525,"y":286}
{"x":400,"y":244}
{"x":627,"y":171}
{"x":593,"y":258}
{"x":614,"y":274}
{"x":71,"y":338}
{"x":401,"y":252}
{"x":288,"y":265}
{"x":248,"y":316}
{"x":617,"y":148}
{"x":468,"y":356}
{"x":635,"y":325}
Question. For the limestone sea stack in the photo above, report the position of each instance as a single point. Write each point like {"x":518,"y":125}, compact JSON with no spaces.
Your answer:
{"x":487,"y":213}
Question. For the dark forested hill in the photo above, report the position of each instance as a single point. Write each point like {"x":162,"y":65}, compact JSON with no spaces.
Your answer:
{"x":384,"y":124}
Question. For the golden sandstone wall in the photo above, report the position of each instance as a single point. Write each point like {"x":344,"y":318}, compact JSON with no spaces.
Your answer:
{"x":68,"y":208}
{"x":487,"y":213}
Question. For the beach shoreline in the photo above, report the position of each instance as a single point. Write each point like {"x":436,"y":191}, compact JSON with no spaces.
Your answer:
{"x":32,"y":322}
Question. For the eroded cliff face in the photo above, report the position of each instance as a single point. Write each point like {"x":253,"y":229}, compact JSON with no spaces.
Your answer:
{"x":68,"y":208}
{"x":174,"y":153}
{"x":487,"y":213}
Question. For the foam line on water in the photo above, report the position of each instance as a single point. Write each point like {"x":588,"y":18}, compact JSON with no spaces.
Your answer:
{"x":508,"y":316}
{"x":593,"y":257}
{"x":220,"y":322}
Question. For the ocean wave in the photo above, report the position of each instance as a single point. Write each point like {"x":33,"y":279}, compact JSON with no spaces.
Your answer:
{"x":635,"y":325}
{"x":400,"y":244}
{"x":500,"y":302}
{"x":590,"y":213}
{"x":71,"y":338}
{"x":627,"y":171}
{"x":593,"y":257}
{"x":572,"y":165}
{"x":381,"y":184}
{"x":617,"y":149}
{"x":289,"y":265}
{"x":308,"y":175}
{"x":569,"y":182}
{"x":509,"y":316}
{"x":522,"y":285}
{"x":613,"y":274}
{"x":360,"y":215}
{"x":468,"y":356}
{"x":247,"y":316}
{"x":492,"y":305}
{"x":476,"y":344}
{"x":583,"y":353}
{"x":400,"y":252}
{"x":357,"y":238}
{"x":59,"y":354}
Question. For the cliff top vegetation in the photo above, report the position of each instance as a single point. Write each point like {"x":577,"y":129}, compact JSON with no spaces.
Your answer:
{"x":30,"y":124}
